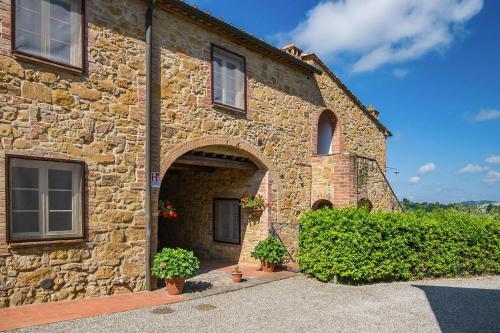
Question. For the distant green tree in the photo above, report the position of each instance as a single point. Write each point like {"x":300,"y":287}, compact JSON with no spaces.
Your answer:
{"x":471,"y":209}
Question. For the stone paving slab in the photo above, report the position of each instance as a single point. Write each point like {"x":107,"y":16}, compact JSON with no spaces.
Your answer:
{"x":214,"y":278}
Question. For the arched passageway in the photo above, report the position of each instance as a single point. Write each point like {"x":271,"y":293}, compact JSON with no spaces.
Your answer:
{"x":205,"y":185}
{"x":328,"y":135}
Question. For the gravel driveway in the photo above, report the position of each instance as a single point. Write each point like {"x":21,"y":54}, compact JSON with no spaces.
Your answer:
{"x":300,"y":304}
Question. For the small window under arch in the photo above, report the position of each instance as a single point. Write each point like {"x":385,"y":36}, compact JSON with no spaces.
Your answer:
{"x":366,"y":204}
{"x":323,"y":203}
{"x":326,"y":131}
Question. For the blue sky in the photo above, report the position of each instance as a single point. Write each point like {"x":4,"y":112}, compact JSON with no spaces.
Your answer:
{"x":432,"y":68}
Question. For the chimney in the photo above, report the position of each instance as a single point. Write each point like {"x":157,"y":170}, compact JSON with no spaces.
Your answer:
{"x":293,"y":50}
{"x":374,"y":112}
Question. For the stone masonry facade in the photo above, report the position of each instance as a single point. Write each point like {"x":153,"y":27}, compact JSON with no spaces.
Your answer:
{"x":98,"y":117}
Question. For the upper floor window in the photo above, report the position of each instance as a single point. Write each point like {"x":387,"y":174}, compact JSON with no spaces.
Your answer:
{"x":325,"y":134}
{"x":44,"y":199}
{"x":228,"y":78}
{"x":49,"y":29}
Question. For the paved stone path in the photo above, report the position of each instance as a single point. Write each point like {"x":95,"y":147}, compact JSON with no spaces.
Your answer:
{"x":214,"y":278}
{"x":300,"y":304}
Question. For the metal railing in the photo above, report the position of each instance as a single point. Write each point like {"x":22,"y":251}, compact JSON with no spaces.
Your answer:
{"x":288,"y":235}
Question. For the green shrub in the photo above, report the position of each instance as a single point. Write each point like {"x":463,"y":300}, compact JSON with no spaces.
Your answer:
{"x":358,"y":246}
{"x":269,"y":250}
{"x":174,"y":263}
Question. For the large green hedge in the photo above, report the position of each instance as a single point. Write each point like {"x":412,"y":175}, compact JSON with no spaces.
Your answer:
{"x":358,"y":246}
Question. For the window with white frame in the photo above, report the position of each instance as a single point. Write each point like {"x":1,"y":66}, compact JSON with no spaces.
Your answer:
{"x":227,"y":220}
{"x":229,"y":78}
{"x":50,"y":29}
{"x":45,"y":199}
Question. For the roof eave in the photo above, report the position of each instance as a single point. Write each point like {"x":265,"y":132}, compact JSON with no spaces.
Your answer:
{"x":241,"y":36}
{"x":381,"y":126}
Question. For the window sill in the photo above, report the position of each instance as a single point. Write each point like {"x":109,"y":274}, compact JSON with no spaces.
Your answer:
{"x":227,"y":244}
{"x":31,"y":243}
{"x":228,"y":108}
{"x":329,"y":154}
{"x":47,"y":62}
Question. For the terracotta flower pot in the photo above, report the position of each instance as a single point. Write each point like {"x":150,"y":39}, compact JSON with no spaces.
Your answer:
{"x":236,"y":277}
{"x":268,"y":267}
{"x":175,"y":286}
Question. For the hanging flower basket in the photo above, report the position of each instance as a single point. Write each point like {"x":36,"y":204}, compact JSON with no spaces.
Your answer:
{"x":166,"y":211}
{"x":253,"y":204}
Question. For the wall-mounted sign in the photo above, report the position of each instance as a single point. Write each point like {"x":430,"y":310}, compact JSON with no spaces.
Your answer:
{"x":155,"y":179}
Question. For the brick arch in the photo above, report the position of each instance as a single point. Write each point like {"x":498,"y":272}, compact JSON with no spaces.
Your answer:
{"x":365,"y":203}
{"x":260,"y":160}
{"x":338,"y":142}
{"x":321,"y":203}
{"x":268,"y":186}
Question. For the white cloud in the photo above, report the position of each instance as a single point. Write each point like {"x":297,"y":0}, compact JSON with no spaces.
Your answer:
{"x":426,"y":168}
{"x":486,"y":115}
{"x":400,"y":72}
{"x":492,"y":177}
{"x":379,"y":32}
{"x":472,"y":168}
{"x":414,"y":179}
{"x":493,"y":159}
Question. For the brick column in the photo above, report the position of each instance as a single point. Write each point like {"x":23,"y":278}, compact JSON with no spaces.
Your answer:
{"x":344,"y":174}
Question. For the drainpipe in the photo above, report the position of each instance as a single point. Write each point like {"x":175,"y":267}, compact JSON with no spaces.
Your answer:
{"x":148,"y":210}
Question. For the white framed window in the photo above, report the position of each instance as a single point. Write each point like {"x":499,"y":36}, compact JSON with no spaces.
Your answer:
{"x":227,"y":221}
{"x":50,"y":29}
{"x":228,"y":78}
{"x":45,"y":199}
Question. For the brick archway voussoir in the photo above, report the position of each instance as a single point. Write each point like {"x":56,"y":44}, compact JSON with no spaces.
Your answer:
{"x":256,"y":156}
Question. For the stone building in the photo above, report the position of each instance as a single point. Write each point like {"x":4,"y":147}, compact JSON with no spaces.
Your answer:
{"x":84,"y":118}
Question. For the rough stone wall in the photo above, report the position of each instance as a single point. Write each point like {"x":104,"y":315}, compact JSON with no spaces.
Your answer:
{"x":98,"y":118}
{"x":192,"y":193}
{"x":360,"y":134}
{"x":323,"y":185}
{"x":287,"y":234}
{"x":372,"y":185}
{"x":280,"y":103}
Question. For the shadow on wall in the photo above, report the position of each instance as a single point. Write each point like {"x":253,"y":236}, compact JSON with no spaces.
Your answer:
{"x":464,"y":309}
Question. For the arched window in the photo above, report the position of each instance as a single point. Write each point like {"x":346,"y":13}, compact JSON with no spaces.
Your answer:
{"x":326,"y":128}
{"x":322,"y":204}
{"x":366,"y":204}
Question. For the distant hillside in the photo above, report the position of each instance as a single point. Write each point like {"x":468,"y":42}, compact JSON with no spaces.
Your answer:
{"x":479,"y":203}
{"x":478,"y":208}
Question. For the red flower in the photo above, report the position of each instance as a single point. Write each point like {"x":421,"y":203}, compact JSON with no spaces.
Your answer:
{"x":169,"y":207}
{"x":173,"y":215}
{"x":164,"y":214}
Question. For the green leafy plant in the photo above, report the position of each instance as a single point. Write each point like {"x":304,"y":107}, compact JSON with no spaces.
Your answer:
{"x":269,"y":250}
{"x":174,"y":263}
{"x":253,"y":202}
{"x":357,"y":246}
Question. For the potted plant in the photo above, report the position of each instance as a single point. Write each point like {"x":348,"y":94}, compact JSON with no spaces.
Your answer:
{"x":175,"y":265}
{"x":270,"y":252}
{"x":166,"y":210}
{"x":236,"y":274}
{"x":254,"y":204}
